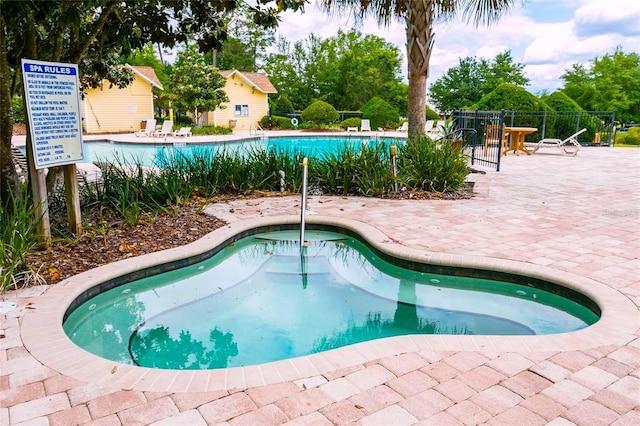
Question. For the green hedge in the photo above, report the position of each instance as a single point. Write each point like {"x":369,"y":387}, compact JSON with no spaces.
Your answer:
{"x":381,"y":114}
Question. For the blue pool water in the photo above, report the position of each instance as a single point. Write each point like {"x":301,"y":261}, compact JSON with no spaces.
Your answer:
{"x":259,"y":300}
{"x":146,"y":154}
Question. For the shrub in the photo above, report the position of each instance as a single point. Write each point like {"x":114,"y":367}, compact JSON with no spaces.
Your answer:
{"x":630,"y":137}
{"x":431,"y":114}
{"x":319,"y":113}
{"x":279,"y":122}
{"x":18,"y":231}
{"x":381,"y":113}
{"x":567,"y":113}
{"x":211,"y":130}
{"x":511,"y":98}
{"x":351,"y":122}
{"x":559,"y":101}
{"x":353,"y":171}
{"x":17,"y":106}
{"x":284,"y":104}
{"x":431,"y":166}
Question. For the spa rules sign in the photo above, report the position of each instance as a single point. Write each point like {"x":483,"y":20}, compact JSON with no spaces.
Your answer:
{"x":52,"y":97}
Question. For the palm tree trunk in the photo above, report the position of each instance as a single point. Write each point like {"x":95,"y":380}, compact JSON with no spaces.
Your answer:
{"x":419,"y":27}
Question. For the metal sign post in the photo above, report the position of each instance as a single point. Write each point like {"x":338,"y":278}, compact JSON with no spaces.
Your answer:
{"x":52,"y":100}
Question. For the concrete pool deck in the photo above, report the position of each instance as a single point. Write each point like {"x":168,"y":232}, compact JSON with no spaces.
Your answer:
{"x":568,"y":217}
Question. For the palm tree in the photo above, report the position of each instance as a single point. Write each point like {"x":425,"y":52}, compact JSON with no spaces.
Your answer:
{"x":419,"y":16}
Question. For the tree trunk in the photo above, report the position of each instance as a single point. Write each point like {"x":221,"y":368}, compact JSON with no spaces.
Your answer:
{"x":419,"y":27}
{"x":9,"y":184}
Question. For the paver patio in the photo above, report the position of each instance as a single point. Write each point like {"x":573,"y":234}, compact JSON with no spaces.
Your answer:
{"x":579,"y":215}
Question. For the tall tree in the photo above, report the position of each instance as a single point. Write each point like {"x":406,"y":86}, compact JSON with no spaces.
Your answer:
{"x":356,"y":77}
{"x":88,"y":32}
{"x":334,"y":70}
{"x":578,"y":85}
{"x":610,"y":83}
{"x":419,"y":17}
{"x":465,"y":84}
{"x":459,"y":87}
{"x":195,"y":86}
{"x":146,"y":57}
{"x":246,"y":45}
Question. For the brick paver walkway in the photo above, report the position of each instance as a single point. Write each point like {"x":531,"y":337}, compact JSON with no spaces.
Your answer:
{"x":580,"y":215}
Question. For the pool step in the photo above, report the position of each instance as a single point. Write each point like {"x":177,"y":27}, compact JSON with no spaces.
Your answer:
{"x":293,"y":265}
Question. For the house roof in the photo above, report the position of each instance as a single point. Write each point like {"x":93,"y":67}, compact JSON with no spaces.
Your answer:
{"x":256,"y":79}
{"x":148,"y":74}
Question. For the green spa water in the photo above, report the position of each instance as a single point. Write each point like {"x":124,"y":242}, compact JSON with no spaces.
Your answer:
{"x":260,"y":300}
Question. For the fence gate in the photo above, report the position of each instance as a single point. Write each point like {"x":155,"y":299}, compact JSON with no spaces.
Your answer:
{"x":474,"y":126}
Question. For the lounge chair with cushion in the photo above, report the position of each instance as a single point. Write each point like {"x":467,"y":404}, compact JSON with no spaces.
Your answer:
{"x":365,"y":125}
{"x":184,"y":131}
{"x":149,"y":129}
{"x":404,"y":127}
{"x":166,"y":130}
{"x":569,"y":146}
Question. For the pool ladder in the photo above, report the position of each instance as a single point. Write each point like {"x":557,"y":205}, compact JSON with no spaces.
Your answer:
{"x":303,"y":202}
{"x":303,"y":208}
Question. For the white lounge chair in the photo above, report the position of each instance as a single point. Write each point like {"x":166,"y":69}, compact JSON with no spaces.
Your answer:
{"x":436,"y":132}
{"x":428,"y":126}
{"x":569,"y":146}
{"x":166,"y":130}
{"x":365,"y":126}
{"x":184,"y":131}
{"x":404,"y":127}
{"x":149,"y":130}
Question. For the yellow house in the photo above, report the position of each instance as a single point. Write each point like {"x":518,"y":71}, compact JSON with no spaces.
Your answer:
{"x":114,"y":110}
{"x":248,"y":100}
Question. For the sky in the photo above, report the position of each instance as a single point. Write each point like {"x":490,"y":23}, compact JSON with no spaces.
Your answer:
{"x":546,"y":36}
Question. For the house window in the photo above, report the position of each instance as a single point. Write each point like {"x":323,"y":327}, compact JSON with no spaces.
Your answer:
{"x":242,"y":110}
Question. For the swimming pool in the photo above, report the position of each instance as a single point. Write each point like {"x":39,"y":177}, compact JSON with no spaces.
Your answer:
{"x":146,"y":154}
{"x":258,"y":300}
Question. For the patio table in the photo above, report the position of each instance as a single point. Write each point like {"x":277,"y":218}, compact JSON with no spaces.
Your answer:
{"x":517,"y":135}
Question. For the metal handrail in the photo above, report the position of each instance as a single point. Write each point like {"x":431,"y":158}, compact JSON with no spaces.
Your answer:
{"x":303,"y":202}
{"x":257,"y":129}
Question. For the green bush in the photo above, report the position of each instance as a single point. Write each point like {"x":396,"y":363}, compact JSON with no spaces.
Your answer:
{"x":351,"y":122}
{"x":431,"y":114}
{"x":511,"y":98}
{"x":211,"y":130}
{"x":18,"y":231}
{"x":284,"y":104}
{"x":381,"y":113}
{"x":630,"y":137}
{"x":559,"y":101}
{"x":279,"y":122}
{"x":353,"y":171}
{"x":17,"y":107}
{"x":319,"y":113}
{"x":431,"y":166}
{"x":566,"y":117}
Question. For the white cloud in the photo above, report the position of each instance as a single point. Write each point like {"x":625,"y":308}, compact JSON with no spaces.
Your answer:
{"x":608,"y":17}
{"x":546,"y":36}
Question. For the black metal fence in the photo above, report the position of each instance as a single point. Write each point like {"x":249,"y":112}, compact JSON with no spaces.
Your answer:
{"x":600,"y":127}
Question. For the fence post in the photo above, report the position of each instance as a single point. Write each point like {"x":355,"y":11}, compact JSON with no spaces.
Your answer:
{"x":475,"y":137}
{"x":578,"y":122}
{"x":502,"y":116}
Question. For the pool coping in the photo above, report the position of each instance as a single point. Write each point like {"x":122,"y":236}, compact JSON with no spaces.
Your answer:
{"x":44,"y":337}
